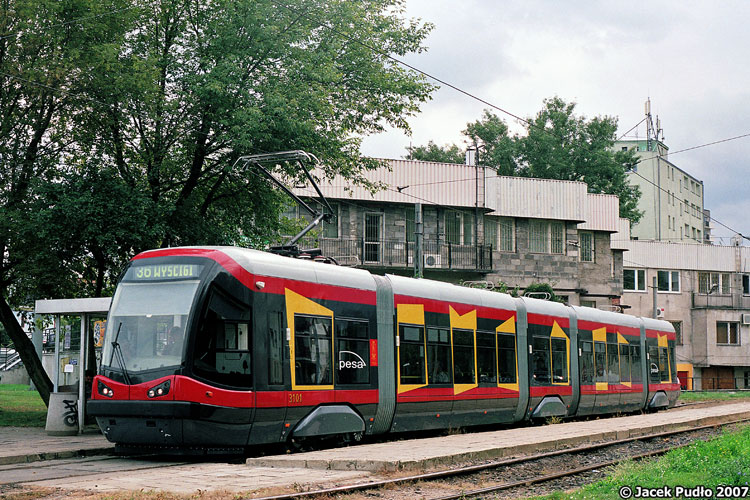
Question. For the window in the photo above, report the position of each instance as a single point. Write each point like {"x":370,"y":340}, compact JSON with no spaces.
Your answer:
{"x":600,"y":362}
{"x":538,"y":237}
{"x":557,"y":237}
{"x":468,"y":229}
{"x":331,"y":226}
{"x":678,"y":331}
{"x":411,"y":225}
{"x":275,"y":348}
{"x":507,"y":235}
{"x":746,"y":284}
{"x":727,"y":332}
{"x":486,"y":362}
{"x":586,"y":242}
{"x":546,"y":237}
{"x":668,"y":281}
{"x":714,"y":283}
{"x":687,"y":207}
{"x":506,"y":352}
{"x":490,"y":232}
{"x":463,"y":356}
{"x":635,"y":364}
{"x":540,"y":361}
{"x":439,"y":356}
{"x":653,"y":363}
{"x":624,"y":363}
{"x":634,"y":280}
{"x":459,"y":228}
{"x":588,"y":303}
{"x":222,"y":348}
{"x":411,"y":354}
{"x":587,"y":363}
{"x":353,"y":346}
{"x":559,"y":360}
{"x":613,"y":364}
{"x":312,"y":351}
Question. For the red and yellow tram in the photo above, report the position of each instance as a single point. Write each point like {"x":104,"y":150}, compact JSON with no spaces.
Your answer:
{"x":224,"y":347}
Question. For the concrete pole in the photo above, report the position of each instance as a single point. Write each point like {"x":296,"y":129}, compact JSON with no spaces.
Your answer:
{"x":419,"y":241}
{"x":653,"y":287}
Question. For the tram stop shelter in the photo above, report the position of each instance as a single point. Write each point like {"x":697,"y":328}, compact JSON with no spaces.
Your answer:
{"x":79,"y":326}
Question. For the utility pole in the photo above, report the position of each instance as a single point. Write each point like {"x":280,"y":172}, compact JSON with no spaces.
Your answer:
{"x":419,"y":241}
{"x":655,"y":312}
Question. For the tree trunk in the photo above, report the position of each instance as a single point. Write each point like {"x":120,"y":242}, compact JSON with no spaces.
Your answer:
{"x":25,"y":349}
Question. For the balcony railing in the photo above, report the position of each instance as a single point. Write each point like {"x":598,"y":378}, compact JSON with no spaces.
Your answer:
{"x":400,"y":254}
{"x":720,"y":301}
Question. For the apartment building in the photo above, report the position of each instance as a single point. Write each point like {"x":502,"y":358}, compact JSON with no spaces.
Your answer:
{"x":478,"y":227}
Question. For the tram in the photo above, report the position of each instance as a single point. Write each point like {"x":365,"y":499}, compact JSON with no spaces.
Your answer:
{"x":227,"y":348}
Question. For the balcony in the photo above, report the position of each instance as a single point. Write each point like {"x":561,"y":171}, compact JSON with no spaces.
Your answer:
{"x":357,"y":252}
{"x":720,"y":301}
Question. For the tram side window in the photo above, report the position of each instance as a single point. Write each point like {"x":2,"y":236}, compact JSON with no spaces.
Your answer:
{"x":587,"y":363}
{"x":663,"y":364}
{"x":653,"y":364}
{"x":506,"y":352}
{"x":412,"y":355}
{"x":613,"y":364}
{"x":540,"y":360}
{"x":439,"y":356}
{"x":635,"y":362}
{"x":600,"y":358}
{"x":559,"y":360}
{"x":486,"y":362}
{"x":275,"y":349}
{"x":624,"y":363}
{"x":353,"y":355}
{"x":312,"y":350}
{"x":463,"y":356}
{"x":222,"y":350}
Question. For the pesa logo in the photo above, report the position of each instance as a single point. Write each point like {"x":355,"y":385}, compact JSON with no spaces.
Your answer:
{"x":355,"y":363}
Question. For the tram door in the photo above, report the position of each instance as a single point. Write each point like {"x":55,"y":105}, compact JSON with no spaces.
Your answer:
{"x":601,"y":379}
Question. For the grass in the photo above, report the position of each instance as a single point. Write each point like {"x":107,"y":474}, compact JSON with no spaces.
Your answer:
{"x":713,"y":396}
{"x":20,"y":407}
{"x":721,"y":461}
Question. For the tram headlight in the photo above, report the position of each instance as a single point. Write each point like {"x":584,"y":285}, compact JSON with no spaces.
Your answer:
{"x":104,"y":390}
{"x":159,"y":390}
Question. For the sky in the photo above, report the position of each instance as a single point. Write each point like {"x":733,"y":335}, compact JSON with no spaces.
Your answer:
{"x":687,"y":57}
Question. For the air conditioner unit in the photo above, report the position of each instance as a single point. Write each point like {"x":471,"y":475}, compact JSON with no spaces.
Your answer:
{"x":660,"y":312}
{"x":746,"y":319}
{"x":432,"y":260}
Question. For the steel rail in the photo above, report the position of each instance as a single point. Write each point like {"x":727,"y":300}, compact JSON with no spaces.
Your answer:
{"x":558,"y":475}
{"x":492,"y":465}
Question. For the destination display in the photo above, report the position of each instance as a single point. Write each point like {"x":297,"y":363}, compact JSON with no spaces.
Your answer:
{"x":163,"y":272}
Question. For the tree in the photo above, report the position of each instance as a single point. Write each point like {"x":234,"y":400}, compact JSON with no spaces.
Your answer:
{"x":450,"y":153}
{"x":197,"y":84}
{"x":559,"y":145}
{"x":42,"y":50}
{"x":122,"y":122}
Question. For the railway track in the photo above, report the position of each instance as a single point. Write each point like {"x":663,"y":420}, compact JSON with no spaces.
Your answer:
{"x":527,"y":471}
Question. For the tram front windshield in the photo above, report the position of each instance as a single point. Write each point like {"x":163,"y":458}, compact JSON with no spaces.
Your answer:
{"x":146,"y":326}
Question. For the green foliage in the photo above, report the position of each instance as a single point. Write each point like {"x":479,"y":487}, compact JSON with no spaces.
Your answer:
{"x":20,"y":407}
{"x":713,"y":396}
{"x":450,"y":153}
{"x":120,"y":132}
{"x":557,"y":144}
{"x":542,"y":291}
{"x":721,"y":461}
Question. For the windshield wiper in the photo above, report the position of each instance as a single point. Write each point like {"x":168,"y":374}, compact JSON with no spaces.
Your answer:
{"x":116,"y":349}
